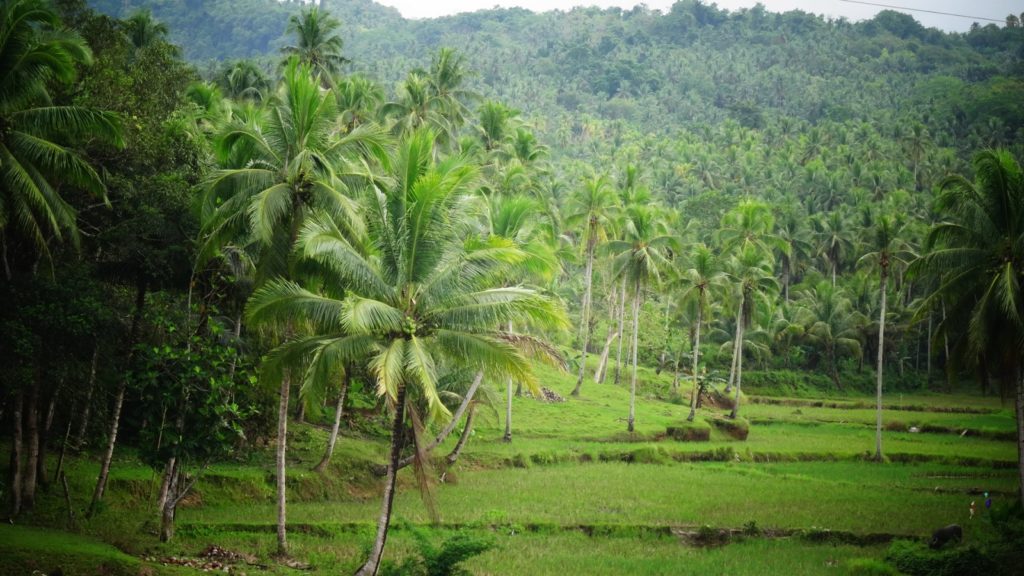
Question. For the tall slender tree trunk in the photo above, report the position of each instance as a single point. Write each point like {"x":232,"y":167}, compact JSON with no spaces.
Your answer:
{"x":878,"y":370}
{"x":508,"y":412}
{"x":42,"y":476}
{"x":115,"y":418}
{"x":696,"y":358}
{"x":588,"y":280}
{"x":622,"y":321}
{"x":28,"y":489}
{"x":632,"y":383}
{"x":736,"y":349}
{"x":167,"y":506}
{"x":90,"y":387}
{"x":945,"y":357}
{"x":508,"y":405}
{"x":602,"y":367}
{"x":739,"y":372}
{"x":282,"y":480}
{"x":14,"y":484}
{"x":335,"y":426}
{"x":928,"y":349}
{"x":397,"y":435}
{"x":463,"y":438}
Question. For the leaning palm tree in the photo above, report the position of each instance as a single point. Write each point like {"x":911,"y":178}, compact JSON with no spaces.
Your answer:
{"x":317,"y":43}
{"x":279,"y":167}
{"x":887,"y":249}
{"x":591,"y":206}
{"x":642,"y":257}
{"x":977,"y":255}
{"x":421,"y":301}
{"x":36,"y":156}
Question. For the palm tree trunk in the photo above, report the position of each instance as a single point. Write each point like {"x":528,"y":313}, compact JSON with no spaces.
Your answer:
{"x":602,"y":365}
{"x":696,"y":354}
{"x":466,"y":401}
{"x":588,"y":280}
{"x":632,"y":383}
{"x":28,"y":489}
{"x":622,"y":321}
{"x":739,"y":373}
{"x":282,"y":445}
{"x":463,"y":438}
{"x":736,"y":347}
{"x":397,"y":434}
{"x":334,"y":427}
{"x":115,"y":418}
{"x":84,"y":425}
{"x":14,"y":484}
{"x":508,"y":412}
{"x":878,"y":376}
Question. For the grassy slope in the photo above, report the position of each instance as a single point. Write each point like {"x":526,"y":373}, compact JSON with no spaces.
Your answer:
{"x":564,"y":470}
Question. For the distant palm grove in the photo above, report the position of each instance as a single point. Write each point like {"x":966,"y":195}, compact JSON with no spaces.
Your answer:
{"x":223,"y":220}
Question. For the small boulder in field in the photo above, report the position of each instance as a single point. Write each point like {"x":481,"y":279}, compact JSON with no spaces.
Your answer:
{"x":942,"y":536}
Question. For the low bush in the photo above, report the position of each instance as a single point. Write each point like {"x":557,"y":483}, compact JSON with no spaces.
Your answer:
{"x":916,"y":559}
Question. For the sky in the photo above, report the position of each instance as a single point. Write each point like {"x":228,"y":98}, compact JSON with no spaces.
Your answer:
{"x":996,"y":9}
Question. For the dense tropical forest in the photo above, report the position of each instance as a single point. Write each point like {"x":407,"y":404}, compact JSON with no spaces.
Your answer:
{"x":293,"y":287}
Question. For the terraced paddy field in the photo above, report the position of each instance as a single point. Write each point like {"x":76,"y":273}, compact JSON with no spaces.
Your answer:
{"x":573,"y":493}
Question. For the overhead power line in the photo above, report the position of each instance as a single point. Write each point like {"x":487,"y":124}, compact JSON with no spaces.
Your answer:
{"x":922,"y":10}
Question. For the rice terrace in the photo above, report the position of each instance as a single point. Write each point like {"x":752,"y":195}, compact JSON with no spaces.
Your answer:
{"x":325,"y":288}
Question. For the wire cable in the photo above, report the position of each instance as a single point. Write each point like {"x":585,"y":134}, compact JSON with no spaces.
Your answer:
{"x":922,"y":10}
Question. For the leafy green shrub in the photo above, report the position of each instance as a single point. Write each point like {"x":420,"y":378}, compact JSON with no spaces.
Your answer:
{"x":440,"y":560}
{"x":647,"y":455}
{"x":916,"y":559}
{"x":708,"y":536}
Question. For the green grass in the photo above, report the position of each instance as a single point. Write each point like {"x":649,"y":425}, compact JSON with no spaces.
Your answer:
{"x":24,"y":550}
{"x":574,"y":492}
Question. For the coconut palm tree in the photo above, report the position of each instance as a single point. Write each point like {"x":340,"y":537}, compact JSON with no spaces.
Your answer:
{"x":281,"y":166}
{"x":887,"y":249}
{"x":318,"y":45}
{"x":143,"y":30}
{"x":514,"y":219}
{"x":977,"y":255}
{"x":701,"y":278}
{"x":642,"y":257}
{"x":422,"y":300}
{"x":750,"y":273}
{"x":36,"y":136}
{"x":832,"y":324}
{"x":591,"y":206}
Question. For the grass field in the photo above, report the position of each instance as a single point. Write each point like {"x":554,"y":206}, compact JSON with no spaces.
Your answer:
{"x":573,"y":493}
